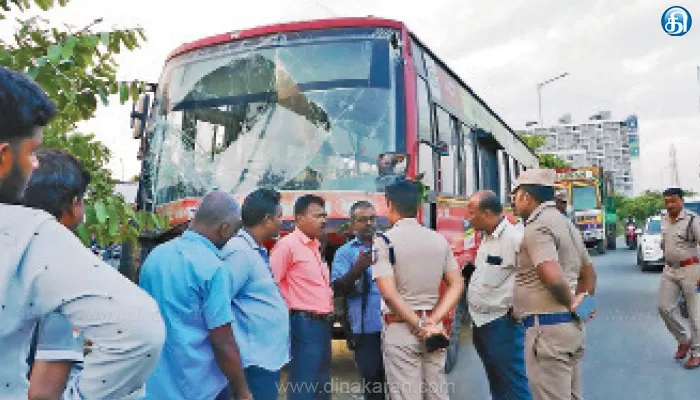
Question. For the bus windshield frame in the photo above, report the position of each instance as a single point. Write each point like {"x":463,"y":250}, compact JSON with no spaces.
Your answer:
{"x":307,"y":111}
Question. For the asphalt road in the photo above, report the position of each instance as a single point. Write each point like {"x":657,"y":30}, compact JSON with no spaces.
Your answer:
{"x":629,"y":353}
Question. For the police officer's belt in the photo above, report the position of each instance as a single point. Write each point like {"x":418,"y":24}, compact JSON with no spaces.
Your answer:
{"x":685,"y":263}
{"x":312,"y":315}
{"x":548,"y":319}
{"x":393,"y":318}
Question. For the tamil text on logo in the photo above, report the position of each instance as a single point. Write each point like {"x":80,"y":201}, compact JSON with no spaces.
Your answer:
{"x":676,"y":21}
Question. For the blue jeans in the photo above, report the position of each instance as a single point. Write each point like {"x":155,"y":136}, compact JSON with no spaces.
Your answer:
{"x":310,"y":367}
{"x":370,"y":365}
{"x":500,"y":345}
{"x":263,"y":384}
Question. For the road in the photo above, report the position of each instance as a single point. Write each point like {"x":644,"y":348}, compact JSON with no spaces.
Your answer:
{"x":629,"y":353}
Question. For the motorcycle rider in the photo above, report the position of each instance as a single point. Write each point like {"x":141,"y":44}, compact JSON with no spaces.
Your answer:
{"x":631,"y":235}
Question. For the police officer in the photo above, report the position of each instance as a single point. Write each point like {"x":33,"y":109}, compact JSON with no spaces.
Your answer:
{"x":554,"y":272}
{"x":411,"y":261}
{"x":681,"y":235}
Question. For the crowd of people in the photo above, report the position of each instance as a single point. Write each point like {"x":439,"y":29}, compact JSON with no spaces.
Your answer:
{"x":215,"y":316}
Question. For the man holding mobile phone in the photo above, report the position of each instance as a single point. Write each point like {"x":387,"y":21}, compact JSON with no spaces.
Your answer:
{"x":554,"y":274}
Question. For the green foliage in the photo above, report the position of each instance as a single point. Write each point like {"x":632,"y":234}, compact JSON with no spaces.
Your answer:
{"x":77,"y":69}
{"x":535,"y":142}
{"x":641,"y":207}
{"x":112,"y":220}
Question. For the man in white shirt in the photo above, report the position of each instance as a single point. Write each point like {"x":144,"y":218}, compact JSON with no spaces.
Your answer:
{"x":44,"y":268}
{"x":498,"y":338}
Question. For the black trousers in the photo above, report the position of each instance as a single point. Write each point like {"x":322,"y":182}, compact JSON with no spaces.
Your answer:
{"x":370,"y":365}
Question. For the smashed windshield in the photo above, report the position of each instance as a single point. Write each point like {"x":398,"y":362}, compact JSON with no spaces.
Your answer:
{"x":305,"y":111}
{"x":584,"y":198}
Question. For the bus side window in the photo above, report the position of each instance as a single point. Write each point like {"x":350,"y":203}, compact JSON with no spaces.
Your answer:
{"x":469,"y":160}
{"x":447,"y":164}
{"x":426,"y":161}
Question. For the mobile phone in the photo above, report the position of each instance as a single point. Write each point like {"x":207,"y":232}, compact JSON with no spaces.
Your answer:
{"x":586,"y":308}
{"x":436,"y":342}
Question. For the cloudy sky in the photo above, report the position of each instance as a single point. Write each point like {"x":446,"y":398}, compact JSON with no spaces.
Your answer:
{"x":619,"y":59}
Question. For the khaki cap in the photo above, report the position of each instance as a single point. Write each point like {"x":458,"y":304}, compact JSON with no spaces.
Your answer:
{"x":536,"y":176}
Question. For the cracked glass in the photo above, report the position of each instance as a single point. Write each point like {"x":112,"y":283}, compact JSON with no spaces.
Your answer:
{"x":303,"y":111}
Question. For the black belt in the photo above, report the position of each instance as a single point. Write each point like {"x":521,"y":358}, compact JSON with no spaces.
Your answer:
{"x":312,"y":315}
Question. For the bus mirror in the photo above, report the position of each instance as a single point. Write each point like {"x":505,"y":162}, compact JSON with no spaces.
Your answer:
{"x":392,"y":164}
{"x":442,"y":148}
{"x":139,"y":114}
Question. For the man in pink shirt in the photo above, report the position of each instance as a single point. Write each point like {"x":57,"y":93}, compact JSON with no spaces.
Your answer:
{"x":304,"y":281}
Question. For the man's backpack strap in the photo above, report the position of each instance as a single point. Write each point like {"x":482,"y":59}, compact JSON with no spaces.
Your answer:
{"x":392,"y":258}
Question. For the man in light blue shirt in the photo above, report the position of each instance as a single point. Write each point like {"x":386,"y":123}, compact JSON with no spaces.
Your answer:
{"x":351,"y":274}
{"x":192,"y":286}
{"x":261,"y":316}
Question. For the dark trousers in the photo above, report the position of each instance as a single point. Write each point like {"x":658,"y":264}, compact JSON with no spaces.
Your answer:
{"x":263,"y":384}
{"x":310,"y":367}
{"x":370,"y":366}
{"x":500,"y":345}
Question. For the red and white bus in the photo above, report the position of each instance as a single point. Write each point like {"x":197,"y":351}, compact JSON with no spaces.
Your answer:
{"x":330,"y":107}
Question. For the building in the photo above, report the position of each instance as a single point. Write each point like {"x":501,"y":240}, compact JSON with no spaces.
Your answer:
{"x":601,"y":141}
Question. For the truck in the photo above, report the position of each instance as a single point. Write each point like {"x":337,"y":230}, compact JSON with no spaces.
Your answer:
{"x":589,"y":193}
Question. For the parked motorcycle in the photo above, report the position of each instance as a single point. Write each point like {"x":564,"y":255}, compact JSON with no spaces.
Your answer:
{"x":631,"y":237}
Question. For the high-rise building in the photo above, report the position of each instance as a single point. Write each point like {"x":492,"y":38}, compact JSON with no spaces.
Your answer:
{"x":601,"y":141}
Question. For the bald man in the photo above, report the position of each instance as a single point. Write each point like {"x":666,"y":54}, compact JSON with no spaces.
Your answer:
{"x":498,"y":338}
{"x":191,"y":283}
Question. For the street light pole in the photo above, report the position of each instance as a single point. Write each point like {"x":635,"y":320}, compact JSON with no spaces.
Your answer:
{"x":539,"y":92}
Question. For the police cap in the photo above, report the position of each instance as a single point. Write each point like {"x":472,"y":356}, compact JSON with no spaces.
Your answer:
{"x":537,"y":177}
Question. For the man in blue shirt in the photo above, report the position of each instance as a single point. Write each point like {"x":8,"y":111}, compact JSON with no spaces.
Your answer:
{"x":192,"y":286}
{"x":261,"y":317}
{"x":352,"y":278}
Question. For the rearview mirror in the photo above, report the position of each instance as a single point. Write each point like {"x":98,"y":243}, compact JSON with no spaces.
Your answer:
{"x":441,"y":148}
{"x":139,"y":115}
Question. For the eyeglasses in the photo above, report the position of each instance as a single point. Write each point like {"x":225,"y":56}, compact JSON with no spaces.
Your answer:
{"x":365,"y":220}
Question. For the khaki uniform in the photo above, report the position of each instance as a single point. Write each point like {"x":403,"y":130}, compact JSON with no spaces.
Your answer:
{"x":422,"y":257}
{"x":552,"y":352}
{"x":682,"y":273}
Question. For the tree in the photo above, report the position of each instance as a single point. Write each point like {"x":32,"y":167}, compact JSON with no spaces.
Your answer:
{"x":77,"y":68}
{"x":535,"y":142}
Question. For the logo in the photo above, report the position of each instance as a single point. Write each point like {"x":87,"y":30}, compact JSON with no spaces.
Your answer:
{"x":676,"y":21}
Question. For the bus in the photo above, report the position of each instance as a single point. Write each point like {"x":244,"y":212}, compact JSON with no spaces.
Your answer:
{"x":336,"y":107}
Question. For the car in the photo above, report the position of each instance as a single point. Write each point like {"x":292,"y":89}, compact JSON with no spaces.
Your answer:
{"x":649,"y":252}
{"x":693,"y":204}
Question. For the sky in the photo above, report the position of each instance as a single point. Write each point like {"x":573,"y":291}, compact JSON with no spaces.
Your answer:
{"x":618,"y":59}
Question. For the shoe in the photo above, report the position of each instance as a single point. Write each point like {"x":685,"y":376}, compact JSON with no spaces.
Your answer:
{"x":683,"y":350}
{"x":693,"y":362}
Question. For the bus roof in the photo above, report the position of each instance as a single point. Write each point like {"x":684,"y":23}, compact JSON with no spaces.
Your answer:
{"x":348,"y":22}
